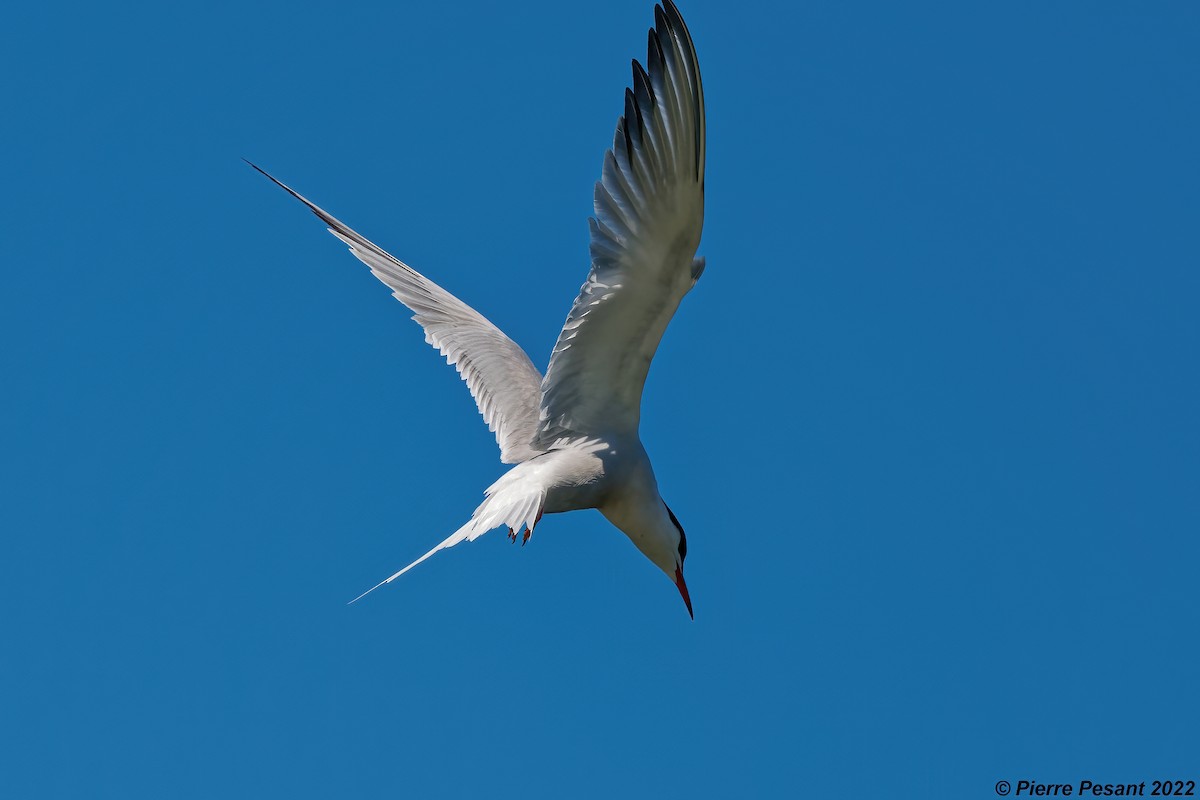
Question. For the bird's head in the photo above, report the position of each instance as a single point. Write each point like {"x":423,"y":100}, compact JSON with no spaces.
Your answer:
{"x":656,"y":531}
{"x":670,"y":551}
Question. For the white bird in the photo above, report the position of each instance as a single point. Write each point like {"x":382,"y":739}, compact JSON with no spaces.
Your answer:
{"x":573,"y":435}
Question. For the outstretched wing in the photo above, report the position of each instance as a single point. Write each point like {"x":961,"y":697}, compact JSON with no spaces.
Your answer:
{"x":505,"y":384}
{"x":649,"y":208}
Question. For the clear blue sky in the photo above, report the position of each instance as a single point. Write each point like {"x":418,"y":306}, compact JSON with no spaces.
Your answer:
{"x":930,"y":418}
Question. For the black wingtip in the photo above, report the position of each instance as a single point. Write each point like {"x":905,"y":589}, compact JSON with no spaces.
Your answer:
{"x":660,"y":22}
{"x":654,"y":49}
{"x":623,"y":129}
{"x":323,"y":215}
{"x":284,"y":186}
{"x":257,"y":167}
{"x":642,"y":86}
{"x":269,"y":177}
{"x":673,"y":11}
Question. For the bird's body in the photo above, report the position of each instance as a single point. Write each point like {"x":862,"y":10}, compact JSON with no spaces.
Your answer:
{"x":573,"y":435}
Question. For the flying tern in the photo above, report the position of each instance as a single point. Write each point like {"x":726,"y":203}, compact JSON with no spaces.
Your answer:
{"x":573,"y":434}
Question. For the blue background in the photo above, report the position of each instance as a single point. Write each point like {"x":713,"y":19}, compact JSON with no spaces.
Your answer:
{"x":930,"y":418}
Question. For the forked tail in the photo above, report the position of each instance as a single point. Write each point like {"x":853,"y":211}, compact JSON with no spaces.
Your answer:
{"x":459,"y":535}
{"x":510,"y":502}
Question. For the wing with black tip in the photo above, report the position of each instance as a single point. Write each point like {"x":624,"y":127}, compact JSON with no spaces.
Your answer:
{"x":505,"y":384}
{"x":649,"y":210}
